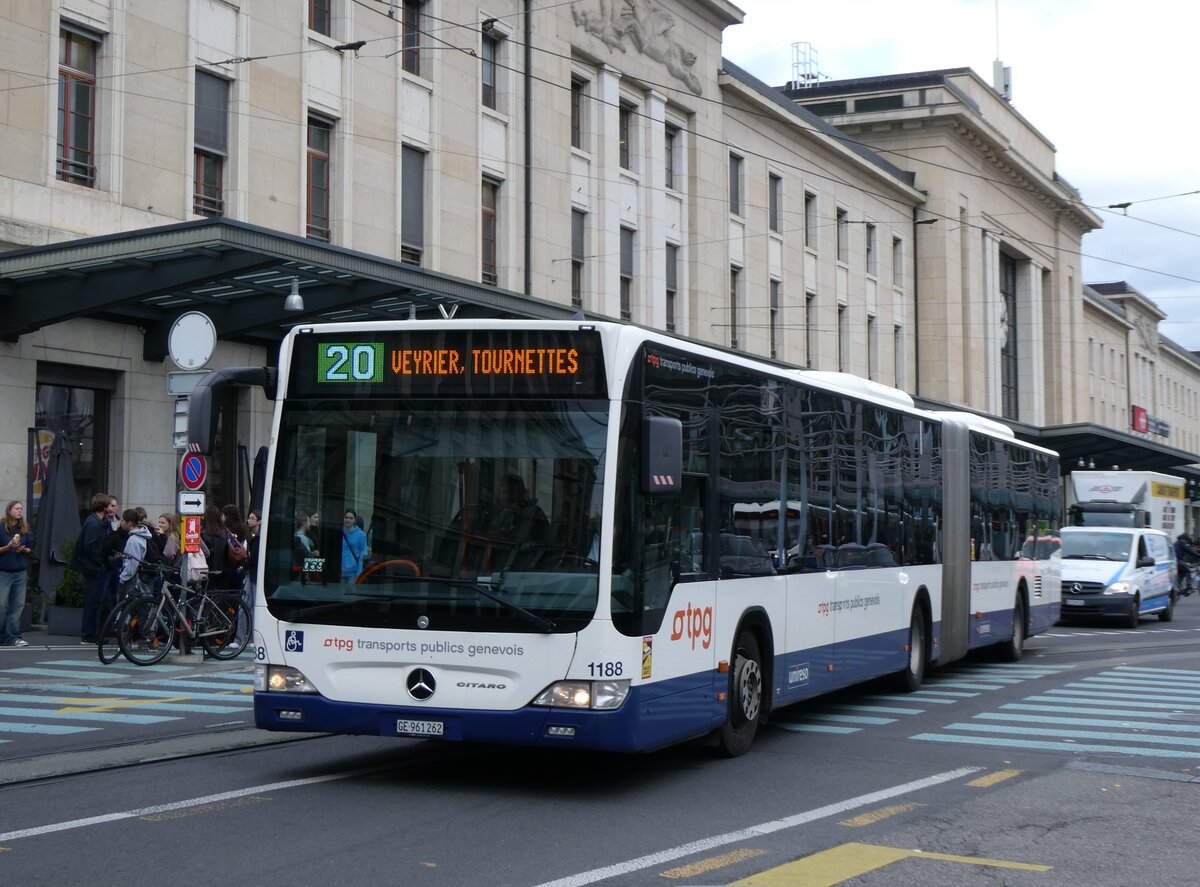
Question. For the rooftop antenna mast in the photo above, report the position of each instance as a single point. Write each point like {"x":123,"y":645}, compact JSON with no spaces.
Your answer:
{"x":805,"y":72}
{"x":1001,"y":75}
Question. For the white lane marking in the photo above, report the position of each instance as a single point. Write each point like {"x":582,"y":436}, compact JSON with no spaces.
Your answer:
{"x":754,"y":831}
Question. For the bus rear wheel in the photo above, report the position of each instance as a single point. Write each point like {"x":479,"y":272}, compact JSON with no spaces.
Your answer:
{"x":745,"y":697}
{"x":1012,"y":649}
{"x":912,"y":676}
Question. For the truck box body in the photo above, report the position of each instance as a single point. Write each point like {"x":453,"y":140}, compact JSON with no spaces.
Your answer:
{"x":1126,"y":499}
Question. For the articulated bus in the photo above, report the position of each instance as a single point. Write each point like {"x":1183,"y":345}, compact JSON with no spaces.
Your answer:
{"x":576,"y":536}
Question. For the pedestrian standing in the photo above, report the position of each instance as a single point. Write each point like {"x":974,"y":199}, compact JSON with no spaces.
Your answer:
{"x":15,"y":544}
{"x":88,"y":559}
{"x":354,"y":546}
{"x":137,"y":537}
{"x":114,"y":544}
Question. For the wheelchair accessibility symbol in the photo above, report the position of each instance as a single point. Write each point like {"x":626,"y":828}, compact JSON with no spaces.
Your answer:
{"x":294,"y":642}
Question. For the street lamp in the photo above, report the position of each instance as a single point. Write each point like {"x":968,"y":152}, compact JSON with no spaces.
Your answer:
{"x":294,"y":301}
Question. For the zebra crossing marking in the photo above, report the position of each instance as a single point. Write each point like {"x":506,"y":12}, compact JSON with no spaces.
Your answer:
{"x":993,"y":676}
{"x":1104,"y":708}
{"x":94,"y":696}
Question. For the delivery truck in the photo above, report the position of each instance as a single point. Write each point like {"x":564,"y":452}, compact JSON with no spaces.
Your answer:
{"x":1126,"y":499}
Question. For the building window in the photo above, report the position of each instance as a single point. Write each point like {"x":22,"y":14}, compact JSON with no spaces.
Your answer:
{"x":670,"y":149}
{"x":872,"y":348}
{"x":810,"y":325}
{"x":735,"y":184}
{"x":412,"y":205}
{"x":872,"y":263}
{"x":843,"y":237}
{"x":672,"y":284}
{"x":490,"y":194}
{"x":319,"y":18}
{"x":1008,"y":351}
{"x":212,"y":144}
{"x":897,"y":262}
{"x":578,"y":228}
{"x":578,"y":90}
{"x":843,"y":341}
{"x":320,"y":144}
{"x":490,"y":50}
{"x":410,"y":28}
{"x":810,"y":220}
{"x":735,"y":281}
{"x":76,"y":108}
{"x":774,"y":319}
{"x":625,"y":133}
{"x":626,"y":273}
{"x":774,"y":196}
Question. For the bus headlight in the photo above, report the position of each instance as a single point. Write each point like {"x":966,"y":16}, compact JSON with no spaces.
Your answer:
{"x":281,"y":679}
{"x":1118,"y":588}
{"x":584,"y":694}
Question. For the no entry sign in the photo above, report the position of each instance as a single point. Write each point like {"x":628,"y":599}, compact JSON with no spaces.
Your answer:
{"x":192,"y":470}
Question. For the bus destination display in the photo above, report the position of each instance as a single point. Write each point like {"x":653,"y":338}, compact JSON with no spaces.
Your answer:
{"x":492,"y":363}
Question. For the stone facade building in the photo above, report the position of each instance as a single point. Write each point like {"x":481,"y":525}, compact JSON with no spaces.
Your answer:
{"x":397,"y":159}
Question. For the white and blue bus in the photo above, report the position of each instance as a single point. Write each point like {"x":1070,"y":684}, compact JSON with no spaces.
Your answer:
{"x":576,"y":538}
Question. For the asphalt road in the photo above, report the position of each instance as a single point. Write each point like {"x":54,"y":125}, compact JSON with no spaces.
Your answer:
{"x":1078,"y":765}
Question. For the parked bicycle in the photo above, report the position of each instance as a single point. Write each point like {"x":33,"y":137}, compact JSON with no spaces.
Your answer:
{"x":1191,"y":578}
{"x":151,"y":621}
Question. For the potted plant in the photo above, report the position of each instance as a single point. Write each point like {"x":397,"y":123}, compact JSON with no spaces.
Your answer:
{"x":65,"y":615}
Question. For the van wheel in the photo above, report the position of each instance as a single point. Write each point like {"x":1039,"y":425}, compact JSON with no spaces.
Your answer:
{"x":745,"y":697}
{"x":1134,"y":616}
{"x":1169,"y":613}
{"x":1011,"y":650}
{"x":910,"y":678}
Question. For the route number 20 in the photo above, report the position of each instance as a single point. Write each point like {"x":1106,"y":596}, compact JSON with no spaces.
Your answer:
{"x":351,"y":362}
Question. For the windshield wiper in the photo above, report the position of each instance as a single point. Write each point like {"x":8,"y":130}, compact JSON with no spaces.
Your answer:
{"x":479,"y":588}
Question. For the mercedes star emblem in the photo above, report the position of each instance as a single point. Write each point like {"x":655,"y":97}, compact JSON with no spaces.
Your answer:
{"x":420,"y":684}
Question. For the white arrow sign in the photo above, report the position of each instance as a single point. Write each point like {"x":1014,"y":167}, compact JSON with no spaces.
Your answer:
{"x":192,"y":502}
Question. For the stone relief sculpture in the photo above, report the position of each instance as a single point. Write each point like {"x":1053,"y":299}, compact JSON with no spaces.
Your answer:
{"x":645,"y":26}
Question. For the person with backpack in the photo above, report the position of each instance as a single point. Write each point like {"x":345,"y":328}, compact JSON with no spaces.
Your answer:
{"x":133,"y":555}
{"x":87,"y":558}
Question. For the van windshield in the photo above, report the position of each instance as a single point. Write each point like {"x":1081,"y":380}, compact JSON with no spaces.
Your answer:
{"x":1096,"y":546}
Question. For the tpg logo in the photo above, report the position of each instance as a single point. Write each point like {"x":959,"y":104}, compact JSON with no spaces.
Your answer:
{"x":695,"y":623}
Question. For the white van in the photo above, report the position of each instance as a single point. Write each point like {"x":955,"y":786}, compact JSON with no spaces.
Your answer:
{"x":1125,"y":572}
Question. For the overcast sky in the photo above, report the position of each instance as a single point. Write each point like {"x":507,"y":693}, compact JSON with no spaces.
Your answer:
{"x":1109,"y":82}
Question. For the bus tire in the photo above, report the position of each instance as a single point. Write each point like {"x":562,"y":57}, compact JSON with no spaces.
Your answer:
{"x":745,"y":697}
{"x":909,"y":679}
{"x":1012,"y":649}
{"x":1168,"y":613}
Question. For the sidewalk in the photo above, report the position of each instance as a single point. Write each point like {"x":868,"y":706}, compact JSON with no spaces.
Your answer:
{"x":39,"y":639}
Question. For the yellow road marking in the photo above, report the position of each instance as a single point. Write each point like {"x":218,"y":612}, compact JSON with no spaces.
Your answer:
{"x":876,"y":815}
{"x":851,"y":860}
{"x":991,"y":779}
{"x":708,"y":865}
{"x":122,"y":703}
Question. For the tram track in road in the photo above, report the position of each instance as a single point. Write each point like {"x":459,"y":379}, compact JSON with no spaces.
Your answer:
{"x":32,"y":769}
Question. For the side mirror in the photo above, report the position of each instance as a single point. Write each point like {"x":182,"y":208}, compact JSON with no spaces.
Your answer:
{"x":1146,"y":561}
{"x":662,"y":455}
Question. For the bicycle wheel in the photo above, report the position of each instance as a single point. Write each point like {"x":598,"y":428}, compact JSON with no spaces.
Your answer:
{"x":108,"y":648}
{"x":144,"y":632}
{"x":225,"y":626}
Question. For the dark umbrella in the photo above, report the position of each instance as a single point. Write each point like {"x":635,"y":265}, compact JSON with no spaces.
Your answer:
{"x":57,"y":516}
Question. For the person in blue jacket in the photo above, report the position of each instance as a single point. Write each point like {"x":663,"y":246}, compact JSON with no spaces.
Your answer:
{"x":16,"y":542}
{"x":354,"y":546}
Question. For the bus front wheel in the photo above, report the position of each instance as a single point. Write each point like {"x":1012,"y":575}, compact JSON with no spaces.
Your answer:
{"x":745,"y":697}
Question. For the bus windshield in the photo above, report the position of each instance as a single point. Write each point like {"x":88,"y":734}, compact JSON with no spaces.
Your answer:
{"x":460,"y":514}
